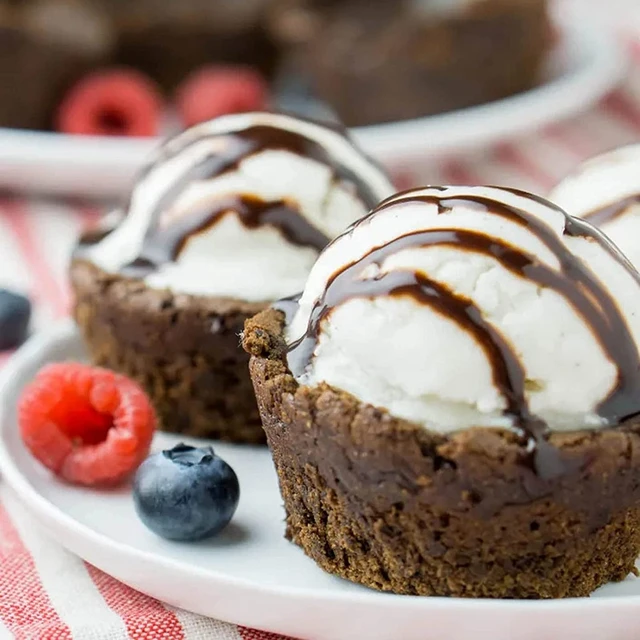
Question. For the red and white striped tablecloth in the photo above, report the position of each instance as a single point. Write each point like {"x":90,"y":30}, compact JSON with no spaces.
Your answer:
{"x":46,"y":592}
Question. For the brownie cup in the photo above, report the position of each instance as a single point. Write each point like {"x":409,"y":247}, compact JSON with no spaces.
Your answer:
{"x":229,"y":217}
{"x":532,"y":509}
{"x":183,"y":349}
{"x":375,"y":61}
{"x":385,"y":503}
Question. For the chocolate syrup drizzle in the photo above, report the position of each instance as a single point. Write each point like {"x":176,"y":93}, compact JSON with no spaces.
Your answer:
{"x":162,"y":245}
{"x":574,"y":281}
{"x":612,"y":211}
{"x":234,"y":148}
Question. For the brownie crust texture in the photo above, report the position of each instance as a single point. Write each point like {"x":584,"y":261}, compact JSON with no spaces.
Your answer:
{"x":393,"y":506}
{"x":183,"y":349}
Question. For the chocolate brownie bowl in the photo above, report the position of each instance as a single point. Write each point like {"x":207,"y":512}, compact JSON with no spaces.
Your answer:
{"x":230,"y":216}
{"x":378,"y":61}
{"x":452,"y":404}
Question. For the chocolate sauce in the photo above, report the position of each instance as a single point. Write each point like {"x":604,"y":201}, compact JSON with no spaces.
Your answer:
{"x":227,"y":152}
{"x":347,"y":284}
{"x":93,"y":237}
{"x":596,"y":217}
{"x":611,"y":212}
{"x":577,"y":227}
{"x":98,"y":232}
{"x":590,"y":298}
{"x":574,"y":281}
{"x":238,"y":146}
{"x":163,"y":243}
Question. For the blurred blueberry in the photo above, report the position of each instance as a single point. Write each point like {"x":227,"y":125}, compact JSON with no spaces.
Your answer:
{"x":293,"y":93}
{"x":15,"y":314}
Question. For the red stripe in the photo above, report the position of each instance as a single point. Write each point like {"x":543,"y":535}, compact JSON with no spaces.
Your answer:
{"x":144,"y":617}
{"x":45,"y":287}
{"x":457,"y":173}
{"x":89,"y":215}
{"x":634,"y":45}
{"x":403,"y":180}
{"x":509,"y":154}
{"x":625,"y":109}
{"x":25,"y":608}
{"x":577,"y":145}
{"x":252,"y":634}
{"x":4,"y":357}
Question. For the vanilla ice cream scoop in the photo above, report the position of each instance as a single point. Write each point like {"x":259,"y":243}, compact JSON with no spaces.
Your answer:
{"x":240,"y":207}
{"x":606,"y":191}
{"x":455,"y":307}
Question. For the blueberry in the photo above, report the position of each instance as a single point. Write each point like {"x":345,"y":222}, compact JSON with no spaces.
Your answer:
{"x":15,"y":313}
{"x":185,"y":493}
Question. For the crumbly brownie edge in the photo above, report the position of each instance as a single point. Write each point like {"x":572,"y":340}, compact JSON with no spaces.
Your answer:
{"x":183,"y":349}
{"x":390,"y":505}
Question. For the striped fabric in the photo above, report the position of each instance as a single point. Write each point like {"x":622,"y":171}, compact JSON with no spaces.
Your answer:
{"x":45,"y":592}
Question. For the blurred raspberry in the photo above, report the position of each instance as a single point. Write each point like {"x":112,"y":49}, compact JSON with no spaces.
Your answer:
{"x":214,"y":91}
{"x":118,"y":102}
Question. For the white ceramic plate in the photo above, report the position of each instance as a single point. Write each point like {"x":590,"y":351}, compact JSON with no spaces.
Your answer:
{"x":250,"y":574}
{"x":585,"y":65}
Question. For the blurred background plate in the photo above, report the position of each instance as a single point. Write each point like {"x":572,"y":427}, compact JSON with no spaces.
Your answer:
{"x":585,"y":65}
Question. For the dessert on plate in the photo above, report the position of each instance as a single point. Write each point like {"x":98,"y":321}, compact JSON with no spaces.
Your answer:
{"x":371,"y":60}
{"x":606,"y":191}
{"x":452,"y":403}
{"x":376,"y":61}
{"x":229,"y":216}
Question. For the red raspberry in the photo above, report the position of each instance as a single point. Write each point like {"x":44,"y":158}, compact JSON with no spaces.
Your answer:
{"x":118,"y":102}
{"x":88,"y":425}
{"x":214,"y":91}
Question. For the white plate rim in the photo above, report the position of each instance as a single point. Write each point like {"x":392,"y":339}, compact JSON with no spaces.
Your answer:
{"x":48,"y":514}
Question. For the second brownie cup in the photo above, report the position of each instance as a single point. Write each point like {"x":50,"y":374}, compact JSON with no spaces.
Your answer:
{"x":182,"y":348}
{"x":229,"y":216}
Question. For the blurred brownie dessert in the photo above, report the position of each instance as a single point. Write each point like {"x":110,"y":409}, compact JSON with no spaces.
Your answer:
{"x":377,"y":61}
{"x":229,"y":217}
{"x":370,"y":60}
{"x":45,"y":46}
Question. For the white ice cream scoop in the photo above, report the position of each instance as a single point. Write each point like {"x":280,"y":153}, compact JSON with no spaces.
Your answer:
{"x":240,"y":207}
{"x":456,"y":307}
{"x":606,"y":191}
